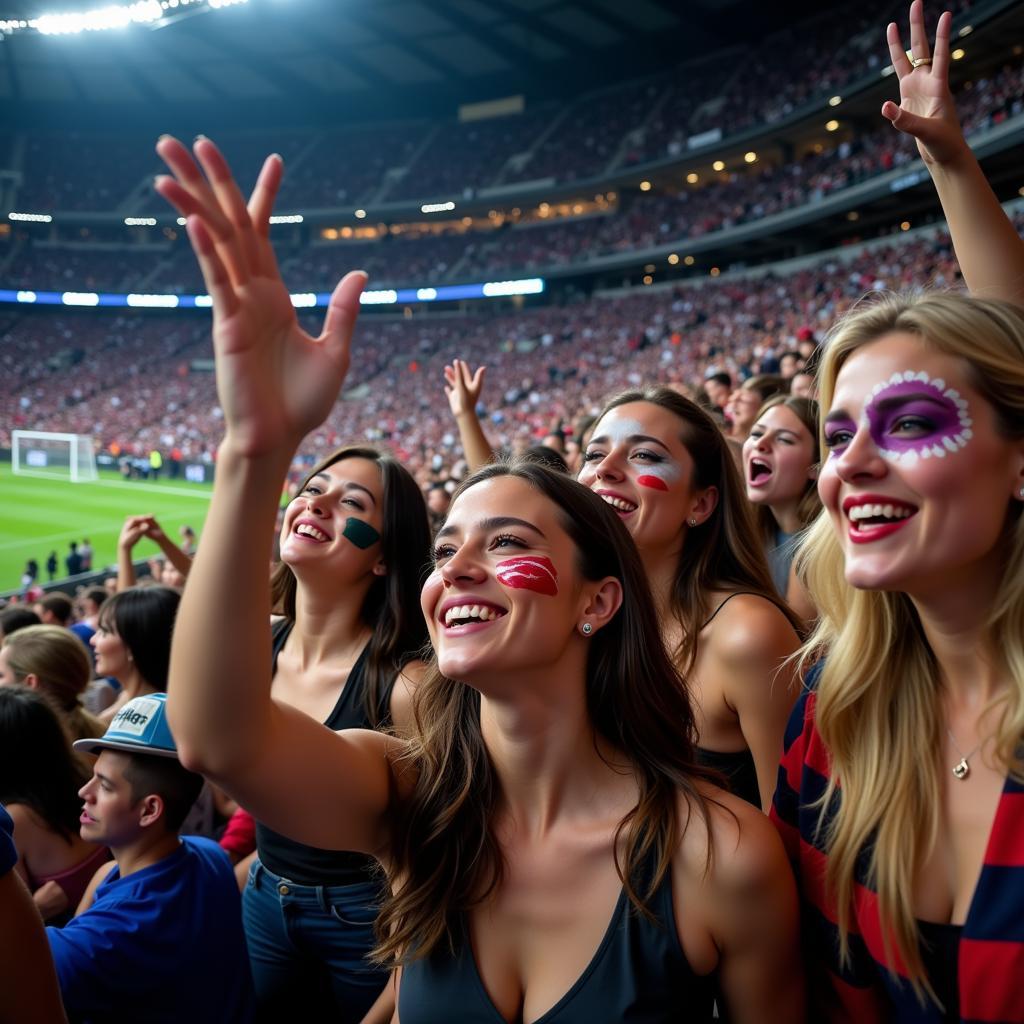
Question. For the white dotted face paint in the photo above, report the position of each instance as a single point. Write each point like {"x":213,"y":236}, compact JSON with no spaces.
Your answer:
{"x":657,"y":470}
{"x":912,"y":416}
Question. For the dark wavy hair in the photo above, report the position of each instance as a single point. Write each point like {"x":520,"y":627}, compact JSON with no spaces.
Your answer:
{"x":724,"y":553}
{"x":38,"y":768}
{"x":392,"y":605}
{"x":445,"y":855}
{"x":143,"y":617}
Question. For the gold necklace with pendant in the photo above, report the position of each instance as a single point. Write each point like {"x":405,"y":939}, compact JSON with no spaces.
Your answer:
{"x":962,"y":768}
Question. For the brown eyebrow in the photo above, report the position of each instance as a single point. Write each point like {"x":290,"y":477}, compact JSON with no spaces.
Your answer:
{"x":494,"y":523}
{"x":633,"y":439}
{"x":348,"y":485}
{"x":885,"y":404}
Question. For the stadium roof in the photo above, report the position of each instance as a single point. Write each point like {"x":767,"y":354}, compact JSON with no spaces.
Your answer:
{"x":357,"y":59}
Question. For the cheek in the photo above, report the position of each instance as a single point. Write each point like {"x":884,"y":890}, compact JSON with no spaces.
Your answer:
{"x":828,"y":486}
{"x":536,"y":573}
{"x":431,"y":594}
{"x":587,"y":474}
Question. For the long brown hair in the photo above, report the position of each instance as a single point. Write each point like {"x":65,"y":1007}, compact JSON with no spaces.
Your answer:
{"x":391,"y":608}
{"x":724,"y":553}
{"x":807,"y":412}
{"x":446,"y":858}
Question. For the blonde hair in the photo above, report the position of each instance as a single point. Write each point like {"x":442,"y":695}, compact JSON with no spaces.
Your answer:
{"x":56,"y":656}
{"x":877,"y":706}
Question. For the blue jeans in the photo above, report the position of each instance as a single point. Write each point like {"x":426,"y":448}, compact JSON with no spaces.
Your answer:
{"x":308,"y":946}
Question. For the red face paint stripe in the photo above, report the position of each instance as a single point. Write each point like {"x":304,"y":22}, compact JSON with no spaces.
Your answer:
{"x":536,"y":573}
{"x":654,"y":482}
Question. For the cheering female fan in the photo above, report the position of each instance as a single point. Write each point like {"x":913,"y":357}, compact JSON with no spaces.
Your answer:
{"x":780,"y":465}
{"x":663,"y":466}
{"x":548,"y":791}
{"x":903,"y":774}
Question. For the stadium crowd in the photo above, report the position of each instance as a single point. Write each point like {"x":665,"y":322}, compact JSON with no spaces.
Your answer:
{"x":684,"y":682}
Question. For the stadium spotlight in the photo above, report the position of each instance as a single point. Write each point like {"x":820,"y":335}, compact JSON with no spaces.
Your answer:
{"x":831,"y":126}
{"x":140,"y":222}
{"x":437,"y":207}
{"x":360,"y":214}
{"x":181,"y":222}
{"x":835,"y":101}
{"x":905,"y":226}
{"x":718,"y":165}
{"x":715,"y":271}
{"x":648,"y":279}
{"x":36,"y":218}
{"x":693,"y":177}
{"x":689,"y":261}
{"x":751,"y":157}
{"x":286,"y":218}
{"x":645,"y":186}
{"x":958,"y":54}
{"x":673,"y":258}
{"x":965,"y":31}
{"x":152,"y":13}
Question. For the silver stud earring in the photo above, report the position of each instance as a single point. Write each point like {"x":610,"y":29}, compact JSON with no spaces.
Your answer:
{"x":693,"y":523}
{"x":586,"y":629}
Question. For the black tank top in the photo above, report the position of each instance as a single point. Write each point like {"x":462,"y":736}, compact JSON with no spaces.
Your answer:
{"x":309,"y":865}
{"x":639,"y":974}
{"x":739,"y":770}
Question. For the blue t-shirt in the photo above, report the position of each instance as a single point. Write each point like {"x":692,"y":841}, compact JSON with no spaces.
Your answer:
{"x":8,"y":854}
{"x":163,"y":944}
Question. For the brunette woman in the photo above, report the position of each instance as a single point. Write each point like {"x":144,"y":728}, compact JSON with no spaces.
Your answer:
{"x":354,"y":546}
{"x":39,"y":781}
{"x":133,"y":642}
{"x":550,"y":787}
{"x":663,"y":465}
{"x":780,"y":466}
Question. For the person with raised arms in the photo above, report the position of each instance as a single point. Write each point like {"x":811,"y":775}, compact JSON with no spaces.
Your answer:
{"x":554,"y":849}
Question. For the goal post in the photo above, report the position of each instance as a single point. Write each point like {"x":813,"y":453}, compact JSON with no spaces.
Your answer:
{"x":59,"y":456}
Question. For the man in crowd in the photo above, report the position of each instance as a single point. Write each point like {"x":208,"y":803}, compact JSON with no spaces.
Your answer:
{"x":55,"y":609}
{"x":158,"y":935}
{"x":73,"y":560}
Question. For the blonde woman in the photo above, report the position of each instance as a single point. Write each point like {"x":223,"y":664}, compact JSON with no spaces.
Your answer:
{"x":54,"y":661}
{"x":902,"y":777}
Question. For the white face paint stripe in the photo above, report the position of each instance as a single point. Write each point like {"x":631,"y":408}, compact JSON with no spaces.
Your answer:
{"x":619,"y":431}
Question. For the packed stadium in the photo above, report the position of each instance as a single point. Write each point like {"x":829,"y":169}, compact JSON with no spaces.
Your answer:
{"x":512,"y":511}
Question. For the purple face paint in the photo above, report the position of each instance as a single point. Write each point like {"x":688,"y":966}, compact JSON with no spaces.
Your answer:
{"x":938,"y":417}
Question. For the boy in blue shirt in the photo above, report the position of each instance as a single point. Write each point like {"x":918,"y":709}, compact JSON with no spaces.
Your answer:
{"x":158,"y":936}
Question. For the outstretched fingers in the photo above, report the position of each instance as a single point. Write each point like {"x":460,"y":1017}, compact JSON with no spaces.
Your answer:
{"x":215,"y":274}
{"x":919,"y":47}
{"x":940,"y":58}
{"x":261,"y":205}
{"x":193,"y":196}
{"x":898,"y":56}
{"x":341,"y":316}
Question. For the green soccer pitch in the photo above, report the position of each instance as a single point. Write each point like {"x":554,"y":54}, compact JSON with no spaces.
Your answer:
{"x":39,"y":515}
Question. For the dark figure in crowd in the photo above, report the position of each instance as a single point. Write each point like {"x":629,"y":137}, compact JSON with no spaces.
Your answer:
{"x":51,"y":566}
{"x":73,"y":560}
{"x":16,"y":617}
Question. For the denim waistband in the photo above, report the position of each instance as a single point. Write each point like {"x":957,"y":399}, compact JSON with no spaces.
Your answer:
{"x":261,"y":877}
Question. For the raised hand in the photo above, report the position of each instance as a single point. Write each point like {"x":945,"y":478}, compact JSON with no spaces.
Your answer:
{"x":133,"y":530}
{"x":275,"y":382}
{"x":463,"y":387}
{"x":926,"y":109}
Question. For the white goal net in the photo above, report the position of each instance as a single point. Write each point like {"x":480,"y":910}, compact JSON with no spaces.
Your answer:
{"x":60,"y":456}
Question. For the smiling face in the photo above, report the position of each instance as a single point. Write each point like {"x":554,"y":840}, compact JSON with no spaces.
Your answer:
{"x":637,"y":462}
{"x":336,"y":521}
{"x":505,"y":595}
{"x":918,"y":479}
{"x":741,"y":410}
{"x":778,"y":458}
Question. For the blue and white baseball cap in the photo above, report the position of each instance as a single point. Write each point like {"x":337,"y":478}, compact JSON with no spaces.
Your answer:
{"x":140,"y":727}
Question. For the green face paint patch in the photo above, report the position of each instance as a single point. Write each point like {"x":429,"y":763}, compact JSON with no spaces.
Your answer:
{"x":360,"y":533}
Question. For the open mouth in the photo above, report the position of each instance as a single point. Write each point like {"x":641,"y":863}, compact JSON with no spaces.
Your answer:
{"x":310,"y":532}
{"x":618,"y":503}
{"x":471,"y":615}
{"x":866,"y":516}
{"x":759,"y":472}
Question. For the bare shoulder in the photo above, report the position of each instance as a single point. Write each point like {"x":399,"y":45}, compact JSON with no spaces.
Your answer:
{"x":746,"y":852}
{"x":750,"y":626}
{"x":28,"y":827}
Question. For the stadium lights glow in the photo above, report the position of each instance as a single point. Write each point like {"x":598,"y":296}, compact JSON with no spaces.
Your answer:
{"x":383,"y":296}
{"x":112,"y":16}
{"x":437,"y":207}
{"x":718,"y":165}
{"x":958,"y":54}
{"x":750,"y":157}
{"x":182,"y":222}
{"x":39,"y":218}
{"x":835,"y":101}
{"x":831,"y":126}
{"x":965,"y":31}
{"x":140,"y":222}
{"x":673,"y":258}
{"x":693,"y":177}
{"x":645,"y":186}
{"x":286,"y":218}
{"x":360,"y":214}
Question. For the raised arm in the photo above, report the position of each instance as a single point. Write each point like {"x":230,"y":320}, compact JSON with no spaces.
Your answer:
{"x":173,"y":554}
{"x":132,"y":532}
{"x":275,"y":384}
{"x":990,"y":252}
{"x":463,"y":389}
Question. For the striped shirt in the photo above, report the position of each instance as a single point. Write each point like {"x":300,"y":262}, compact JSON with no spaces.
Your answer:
{"x":991,"y":957}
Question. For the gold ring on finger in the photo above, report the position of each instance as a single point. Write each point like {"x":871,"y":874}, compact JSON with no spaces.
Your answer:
{"x":921,"y":62}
